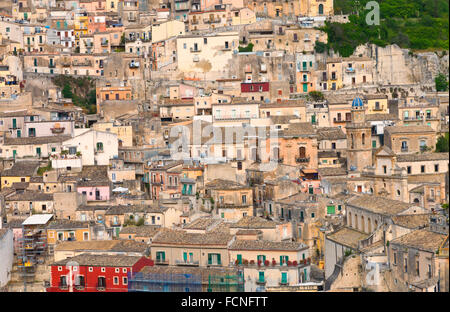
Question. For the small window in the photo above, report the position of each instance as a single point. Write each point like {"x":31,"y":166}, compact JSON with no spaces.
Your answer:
{"x":103,"y":270}
{"x":116,"y":280}
{"x":60,"y":268}
{"x":117,"y":270}
{"x":124,"y":280}
{"x":124,"y":270}
{"x":91,"y":269}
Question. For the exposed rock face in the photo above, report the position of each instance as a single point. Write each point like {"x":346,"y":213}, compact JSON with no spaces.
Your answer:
{"x":397,"y":66}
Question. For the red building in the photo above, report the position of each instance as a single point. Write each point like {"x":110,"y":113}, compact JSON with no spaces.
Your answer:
{"x":255,"y":87}
{"x":95,"y":273}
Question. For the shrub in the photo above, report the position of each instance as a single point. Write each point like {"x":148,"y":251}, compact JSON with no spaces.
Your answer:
{"x":252,"y":262}
{"x":274,"y":263}
{"x":295,"y":263}
{"x":266,"y":263}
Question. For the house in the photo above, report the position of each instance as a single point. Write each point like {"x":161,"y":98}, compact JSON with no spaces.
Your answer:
{"x":180,"y":248}
{"x":144,"y":233}
{"x":103,"y":146}
{"x":267,"y":264}
{"x":270,"y":230}
{"x":21,"y":171}
{"x":68,"y":230}
{"x":413,"y":261}
{"x":94,"y":273}
{"x":232,"y":200}
{"x":409,"y":139}
{"x":28,"y":203}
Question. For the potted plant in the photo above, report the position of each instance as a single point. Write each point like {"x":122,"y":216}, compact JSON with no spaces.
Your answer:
{"x":274,"y":263}
{"x":252,"y":262}
{"x":245,"y":262}
{"x":236,"y":262}
{"x":289,"y":263}
{"x":259,"y":262}
{"x":295,"y":263}
{"x":266,"y":263}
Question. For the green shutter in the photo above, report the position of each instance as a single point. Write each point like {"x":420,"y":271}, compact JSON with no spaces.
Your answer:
{"x":331,"y":210}
{"x":218,"y":259}
{"x":261,"y":276}
{"x":184,"y":189}
{"x":313,"y":119}
{"x":239,"y":258}
{"x":185,"y":256}
{"x":209,"y":259}
{"x":190,"y":189}
{"x":19,"y":133}
{"x":303,"y":256}
{"x":374,"y":144}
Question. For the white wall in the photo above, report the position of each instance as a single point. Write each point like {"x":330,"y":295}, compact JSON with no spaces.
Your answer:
{"x":6,"y":257}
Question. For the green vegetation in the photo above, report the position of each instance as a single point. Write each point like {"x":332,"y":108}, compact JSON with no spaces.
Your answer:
{"x":81,"y":90}
{"x":316,"y":96}
{"x":248,"y":48}
{"x":442,"y":144}
{"x":417,"y":25}
{"x":132,"y":222}
{"x":441,"y":82}
{"x":320,"y":47}
{"x":41,"y":170}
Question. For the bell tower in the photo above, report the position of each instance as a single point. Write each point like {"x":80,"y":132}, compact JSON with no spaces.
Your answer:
{"x":359,"y":132}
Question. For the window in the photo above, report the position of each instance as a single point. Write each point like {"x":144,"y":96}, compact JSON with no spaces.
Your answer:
{"x":116,"y":280}
{"x":395,"y":258}
{"x":103,"y":270}
{"x":417,"y":268}
{"x":60,"y":268}
{"x":422,"y":169}
{"x":406,"y":265}
{"x":117,"y":270}
{"x":436,"y":168}
{"x":124,"y":280}
{"x":244,"y":199}
{"x":91,"y":269}
{"x":384,"y":169}
{"x":408,"y":169}
{"x":99,"y":146}
{"x":261,"y":277}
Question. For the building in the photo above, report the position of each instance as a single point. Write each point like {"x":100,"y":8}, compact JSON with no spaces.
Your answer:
{"x":6,"y":255}
{"x":95,"y":273}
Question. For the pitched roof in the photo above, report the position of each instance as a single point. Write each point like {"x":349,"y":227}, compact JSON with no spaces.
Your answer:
{"x":177,"y":237}
{"x":141,"y":231}
{"x":347,"y":237}
{"x":266,"y":245}
{"x":412,"y":221}
{"x":21,"y":169}
{"x":67,"y":224}
{"x":408,"y":129}
{"x":422,"y":157}
{"x":101,"y":260}
{"x":298,"y":129}
{"x":221,"y":184}
{"x":103,"y":245}
{"x":330,"y":133}
{"x":422,"y":239}
{"x":252,"y":222}
{"x":36,"y":140}
{"x":378,"y":204}
{"x":28,"y":195}
{"x":202,"y":223}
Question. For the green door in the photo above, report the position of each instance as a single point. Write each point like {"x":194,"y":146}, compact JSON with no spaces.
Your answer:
{"x":38,"y":151}
{"x":185,"y":256}
{"x":313,"y":119}
{"x":304,"y":66}
{"x":284,"y":277}
{"x":239,"y":258}
{"x":14,"y":123}
{"x":374,"y":144}
{"x":305,"y":87}
{"x":14,"y":154}
{"x":261,"y":276}
{"x":19,"y":133}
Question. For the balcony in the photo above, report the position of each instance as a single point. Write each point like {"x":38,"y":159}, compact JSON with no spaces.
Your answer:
{"x":195,"y":50}
{"x":79,"y":287}
{"x":350,"y":70}
{"x":134,"y":64}
{"x":63,"y":286}
{"x":378,"y":108}
{"x":187,"y":263}
{"x":431,"y":199}
{"x":162,"y":261}
{"x":261,"y":281}
{"x":51,"y":65}
{"x":194,"y":22}
{"x":58,"y":130}
{"x":302,"y":159}
{"x":212,"y":20}
{"x":86,"y":63}
{"x":336,"y":120}
{"x":404,"y":149}
{"x":101,"y":287}
{"x":104,"y":43}
{"x":283,"y":282}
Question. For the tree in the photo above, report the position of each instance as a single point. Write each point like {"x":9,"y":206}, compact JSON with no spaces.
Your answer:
{"x":320,"y":47}
{"x":316,"y":96}
{"x":441,"y":82}
{"x":140,"y":222}
{"x":442,"y":144}
{"x":67,"y":91}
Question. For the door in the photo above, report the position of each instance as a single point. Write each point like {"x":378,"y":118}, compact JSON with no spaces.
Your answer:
{"x":38,"y":151}
{"x":19,"y":133}
{"x":239,"y":259}
{"x":359,"y":189}
{"x":313,"y":119}
{"x":305,"y":87}
{"x":14,"y":154}
{"x":14,"y":121}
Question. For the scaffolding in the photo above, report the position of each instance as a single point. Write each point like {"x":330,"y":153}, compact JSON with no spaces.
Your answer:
{"x":164,"y":282}
{"x":32,"y":251}
{"x":199,"y":281}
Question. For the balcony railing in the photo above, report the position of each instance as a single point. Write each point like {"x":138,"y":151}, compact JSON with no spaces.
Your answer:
{"x":101,"y":287}
{"x":79,"y":287}
{"x":162,"y":261}
{"x":302,"y":159}
{"x":404,"y":149}
{"x":193,"y":50}
{"x":260,"y":281}
{"x":104,"y":43}
{"x":187,"y":263}
{"x":51,"y":65}
{"x":341,"y":120}
{"x":350,"y":70}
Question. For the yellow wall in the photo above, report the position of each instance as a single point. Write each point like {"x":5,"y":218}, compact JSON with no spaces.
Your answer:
{"x":52,"y":235}
{"x":8,"y":181}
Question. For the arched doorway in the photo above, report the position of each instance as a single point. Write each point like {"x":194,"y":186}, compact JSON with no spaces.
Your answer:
{"x":320,"y":9}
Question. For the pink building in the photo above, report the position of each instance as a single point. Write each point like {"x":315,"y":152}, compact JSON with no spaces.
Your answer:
{"x":94,"y":190}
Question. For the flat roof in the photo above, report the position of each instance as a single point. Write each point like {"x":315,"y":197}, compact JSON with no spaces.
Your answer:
{"x":37,"y":219}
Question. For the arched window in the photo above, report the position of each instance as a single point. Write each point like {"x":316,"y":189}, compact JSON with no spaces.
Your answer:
{"x":320,"y":9}
{"x":363,"y":138}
